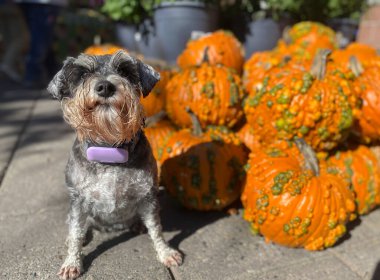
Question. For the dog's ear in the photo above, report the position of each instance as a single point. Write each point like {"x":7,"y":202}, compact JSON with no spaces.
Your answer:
{"x":58,"y":87}
{"x":148,"y":77}
{"x":135,"y":70}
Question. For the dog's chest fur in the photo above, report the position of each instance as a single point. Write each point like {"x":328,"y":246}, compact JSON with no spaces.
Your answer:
{"x":111,"y":193}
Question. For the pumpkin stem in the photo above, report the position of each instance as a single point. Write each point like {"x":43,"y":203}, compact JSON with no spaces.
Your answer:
{"x":205,"y":57}
{"x":318,"y":68}
{"x":286,"y":58}
{"x":356,"y":66}
{"x":197,"y":129}
{"x":97,"y":40}
{"x":152,"y":120}
{"x":286,"y":36}
{"x":311,"y":161}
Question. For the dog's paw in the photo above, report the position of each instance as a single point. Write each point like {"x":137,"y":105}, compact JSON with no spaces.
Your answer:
{"x":171,"y":258}
{"x":71,"y":269}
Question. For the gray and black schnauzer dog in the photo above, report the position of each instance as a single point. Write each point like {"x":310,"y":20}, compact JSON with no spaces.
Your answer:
{"x":111,"y":174}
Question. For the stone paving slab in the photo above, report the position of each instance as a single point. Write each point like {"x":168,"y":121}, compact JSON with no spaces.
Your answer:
{"x":15,"y":108}
{"x":326,"y":268}
{"x":224,"y":246}
{"x":33,"y":210}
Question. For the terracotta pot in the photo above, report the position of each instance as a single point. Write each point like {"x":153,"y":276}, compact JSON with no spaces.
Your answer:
{"x":369,"y":27}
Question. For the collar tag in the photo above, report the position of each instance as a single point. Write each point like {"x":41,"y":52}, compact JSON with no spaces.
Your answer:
{"x":107,"y":154}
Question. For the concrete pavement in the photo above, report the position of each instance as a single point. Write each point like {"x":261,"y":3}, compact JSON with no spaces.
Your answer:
{"x":34,"y":147}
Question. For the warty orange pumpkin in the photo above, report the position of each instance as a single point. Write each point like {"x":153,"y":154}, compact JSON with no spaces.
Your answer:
{"x":259,"y":65}
{"x":247,"y":136}
{"x":305,"y":39}
{"x":221,"y":47}
{"x":317,"y":105}
{"x":158,"y":130}
{"x":363,"y":171}
{"x":362,"y":52}
{"x":214,"y":93}
{"x":293,"y":200}
{"x":367,"y":87}
{"x":203,"y":170}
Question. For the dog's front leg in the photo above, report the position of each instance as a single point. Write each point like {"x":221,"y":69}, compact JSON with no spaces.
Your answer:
{"x":149,"y":212}
{"x":72,"y":267}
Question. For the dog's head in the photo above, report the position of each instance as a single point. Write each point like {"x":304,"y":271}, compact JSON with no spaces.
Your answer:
{"x":101,"y":95}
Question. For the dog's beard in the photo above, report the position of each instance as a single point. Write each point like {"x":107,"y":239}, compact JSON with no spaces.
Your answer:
{"x":111,"y":121}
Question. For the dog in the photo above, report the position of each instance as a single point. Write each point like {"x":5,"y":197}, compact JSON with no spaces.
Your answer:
{"x":111,"y":173}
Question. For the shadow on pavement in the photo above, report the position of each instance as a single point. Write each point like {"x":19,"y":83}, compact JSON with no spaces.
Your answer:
{"x":13,"y":105}
{"x":173,"y":217}
{"x":350,"y":226}
{"x":105,"y":246}
{"x":376,"y":273}
{"x":187,"y":222}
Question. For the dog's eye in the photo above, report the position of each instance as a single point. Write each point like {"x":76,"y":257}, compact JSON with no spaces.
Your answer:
{"x":78,"y":74}
{"x":128,"y":71}
{"x":122,"y":69}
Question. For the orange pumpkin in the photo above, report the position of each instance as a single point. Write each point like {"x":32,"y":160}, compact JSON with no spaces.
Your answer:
{"x":259,"y":65}
{"x":158,"y":130}
{"x":292,"y":200}
{"x":214,"y":93}
{"x":304,"y":40}
{"x":103,"y":49}
{"x":366,"y":85}
{"x":316,"y":105}
{"x":220,"y":47}
{"x":247,"y":136}
{"x":362,"y":52}
{"x":155,"y":101}
{"x":203,"y":170}
{"x":363,"y":170}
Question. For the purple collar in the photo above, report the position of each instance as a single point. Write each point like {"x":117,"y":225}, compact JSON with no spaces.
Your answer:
{"x":104,"y":154}
{"x":107,"y":154}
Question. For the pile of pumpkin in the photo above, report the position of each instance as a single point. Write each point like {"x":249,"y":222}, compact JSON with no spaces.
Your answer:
{"x":292,"y":131}
{"x":312,"y":126}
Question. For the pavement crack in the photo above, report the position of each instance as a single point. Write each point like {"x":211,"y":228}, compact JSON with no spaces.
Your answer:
{"x":336,"y":255}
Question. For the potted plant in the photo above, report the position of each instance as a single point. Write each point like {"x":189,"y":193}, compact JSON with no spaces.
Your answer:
{"x":343,"y":16}
{"x":258,"y":24}
{"x":128,"y":14}
{"x":174,"y":21}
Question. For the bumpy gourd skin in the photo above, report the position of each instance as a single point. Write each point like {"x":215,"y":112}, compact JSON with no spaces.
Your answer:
{"x":300,"y":45}
{"x":220,"y":47}
{"x":292,"y":102}
{"x":247,"y":136}
{"x":158,"y":134}
{"x":259,"y":65}
{"x":367,"y":87}
{"x":291,"y":205}
{"x":362,"y":52}
{"x":214,"y":93}
{"x":204,"y":172}
{"x":305,"y":39}
{"x":363,"y":171}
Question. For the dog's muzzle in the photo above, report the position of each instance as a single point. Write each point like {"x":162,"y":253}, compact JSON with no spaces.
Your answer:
{"x":105,"y":88}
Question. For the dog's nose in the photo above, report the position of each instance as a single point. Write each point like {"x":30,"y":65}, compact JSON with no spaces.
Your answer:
{"x":105,"y":89}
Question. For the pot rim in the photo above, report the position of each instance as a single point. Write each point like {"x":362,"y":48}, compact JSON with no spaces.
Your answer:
{"x":184,"y":4}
